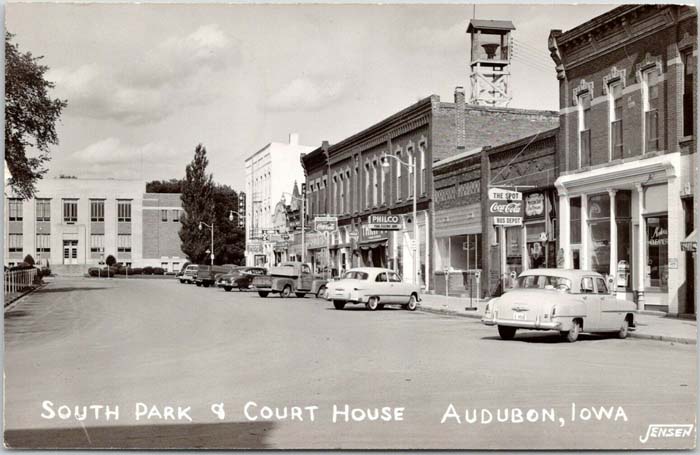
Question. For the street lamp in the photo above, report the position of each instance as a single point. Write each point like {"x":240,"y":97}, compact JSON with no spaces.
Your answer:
{"x":411,"y":165}
{"x":211,"y":228}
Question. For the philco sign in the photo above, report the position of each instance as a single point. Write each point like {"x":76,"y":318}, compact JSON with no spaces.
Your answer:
{"x":384,"y":222}
{"x":506,"y":207}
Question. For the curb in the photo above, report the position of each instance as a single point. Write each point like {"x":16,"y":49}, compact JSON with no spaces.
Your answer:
{"x":668,"y":339}
{"x":16,"y":300}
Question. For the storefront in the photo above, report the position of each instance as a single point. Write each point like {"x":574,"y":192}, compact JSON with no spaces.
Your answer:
{"x":626,"y":222}
{"x":372,"y":247}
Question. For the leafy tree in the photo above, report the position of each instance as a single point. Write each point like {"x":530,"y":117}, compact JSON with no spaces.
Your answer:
{"x":165,"y":186}
{"x":30,"y":118}
{"x":110,"y":261}
{"x":29,"y":259}
{"x":197,"y":205}
{"x":229,"y":239}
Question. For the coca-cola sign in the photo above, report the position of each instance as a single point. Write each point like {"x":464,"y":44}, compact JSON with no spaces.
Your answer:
{"x":504,"y":208}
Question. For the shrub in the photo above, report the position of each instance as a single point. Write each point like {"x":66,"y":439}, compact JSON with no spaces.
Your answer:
{"x":93,"y":271}
{"x":107,"y":271}
{"x":136,"y":271}
{"x":111,"y":260}
{"x":158,"y":271}
{"x":148,"y":270}
{"x":28,"y":259}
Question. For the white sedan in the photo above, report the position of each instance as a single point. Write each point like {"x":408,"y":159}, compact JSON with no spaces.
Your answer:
{"x":374,"y":287}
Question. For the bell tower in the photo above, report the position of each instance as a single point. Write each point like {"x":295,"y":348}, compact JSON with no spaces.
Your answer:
{"x":490,"y":62}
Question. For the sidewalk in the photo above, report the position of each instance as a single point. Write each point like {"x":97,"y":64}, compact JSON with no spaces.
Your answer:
{"x":649,"y":326}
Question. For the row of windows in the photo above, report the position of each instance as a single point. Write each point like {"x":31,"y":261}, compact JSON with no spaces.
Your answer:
{"x":650,"y":105}
{"x":97,"y":243}
{"x":70,"y":210}
{"x":345,"y":194}
{"x":43,"y":243}
{"x":175,"y":215}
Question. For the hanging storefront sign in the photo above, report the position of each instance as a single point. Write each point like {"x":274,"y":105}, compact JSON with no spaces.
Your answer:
{"x":534,"y":204}
{"x":384,"y":222}
{"x":254,"y":247}
{"x":506,"y":207}
{"x":369,"y":235}
{"x":326,"y":223}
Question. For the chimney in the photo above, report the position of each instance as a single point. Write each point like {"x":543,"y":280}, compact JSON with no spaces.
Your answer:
{"x":459,"y":118}
{"x":293,"y":138}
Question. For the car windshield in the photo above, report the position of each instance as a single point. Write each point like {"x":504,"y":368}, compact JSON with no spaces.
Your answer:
{"x":355,"y":275}
{"x":544,"y":282}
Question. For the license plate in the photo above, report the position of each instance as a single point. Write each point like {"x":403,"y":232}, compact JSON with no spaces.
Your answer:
{"x":519,"y":316}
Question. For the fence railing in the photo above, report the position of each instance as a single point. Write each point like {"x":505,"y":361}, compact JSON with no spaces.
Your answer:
{"x":19,"y":280}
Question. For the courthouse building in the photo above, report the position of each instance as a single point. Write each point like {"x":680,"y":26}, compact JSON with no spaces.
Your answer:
{"x":77,"y":223}
{"x":628,"y":150}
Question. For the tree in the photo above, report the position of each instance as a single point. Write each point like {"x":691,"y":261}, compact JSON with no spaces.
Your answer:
{"x":29,"y":260}
{"x":229,"y":239}
{"x":197,"y":205}
{"x":110,"y":261}
{"x":30,"y":118}
{"x":165,"y":186}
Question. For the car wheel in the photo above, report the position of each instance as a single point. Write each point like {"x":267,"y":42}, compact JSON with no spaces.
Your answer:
{"x":263,"y":293}
{"x":300,"y":294}
{"x":206,"y":285}
{"x":372,"y":304}
{"x":227,"y":288}
{"x":412,"y":303}
{"x":506,"y":333}
{"x":572,"y":335}
{"x":624,"y":330}
{"x":286,"y":292}
{"x":198,"y":284}
{"x":182,"y":281}
{"x":339,"y":305}
{"x":321,"y":293}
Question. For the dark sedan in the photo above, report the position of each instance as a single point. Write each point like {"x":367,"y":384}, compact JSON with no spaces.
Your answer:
{"x":239,"y":278}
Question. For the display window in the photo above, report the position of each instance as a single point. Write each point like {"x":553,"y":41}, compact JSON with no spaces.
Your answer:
{"x":657,"y":252}
{"x":599,"y":232}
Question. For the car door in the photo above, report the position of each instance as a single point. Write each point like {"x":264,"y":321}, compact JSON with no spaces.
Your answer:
{"x":380,"y":287}
{"x":400,"y":291}
{"x":306,"y":278}
{"x":592,"y":303}
{"x":610,"y":318}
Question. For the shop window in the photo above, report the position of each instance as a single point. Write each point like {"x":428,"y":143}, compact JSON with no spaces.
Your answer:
{"x":616,"y":146}
{"x":584,"y":128}
{"x":15,"y":209}
{"x":536,"y":237}
{"x":688,"y":92}
{"x":575,"y":220}
{"x":657,"y":252}
{"x":599,"y":232}
{"x":514,"y":262}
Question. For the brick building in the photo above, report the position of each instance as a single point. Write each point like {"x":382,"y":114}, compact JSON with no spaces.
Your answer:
{"x":628,"y":148}
{"x":161,"y":226}
{"x":348,"y":179}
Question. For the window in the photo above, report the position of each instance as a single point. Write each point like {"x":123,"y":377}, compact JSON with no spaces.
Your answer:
{"x":599,"y":232}
{"x":164,"y":266}
{"x":423,"y":175}
{"x":367,"y":186}
{"x":164,"y":215}
{"x":124,"y":243}
{"x":356,"y":190}
{"x":650,"y":95}
{"x":657,"y":252}
{"x":43,"y":243}
{"x":381,"y":278}
{"x":43,"y":209}
{"x":575,"y":220}
{"x":399,"y":184}
{"x":342,"y":208}
{"x":587,"y":285}
{"x":124,"y":211}
{"x":584,"y":128}
{"x":411,"y":170}
{"x":688,"y":92}
{"x":97,"y":243}
{"x":15,"y":209}
{"x":70,"y":211}
{"x":600,"y":284}
{"x":15,"y":243}
{"x":394,"y":277}
{"x":176,"y":216}
{"x":375,"y":184}
{"x":615,"y":95}
{"x":382,"y":197}
{"x":97,"y":210}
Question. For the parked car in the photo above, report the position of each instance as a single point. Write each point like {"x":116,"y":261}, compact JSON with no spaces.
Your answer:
{"x":240,"y":278}
{"x":182,"y":269}
{"x":570,"y":301}
{"x":288,"y":278}
{"x":206,"y":274}
{"x":374,"y":287}
{"x":189,"y":274}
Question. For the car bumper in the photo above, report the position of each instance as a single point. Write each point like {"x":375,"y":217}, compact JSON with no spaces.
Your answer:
{"x":535,"y":325}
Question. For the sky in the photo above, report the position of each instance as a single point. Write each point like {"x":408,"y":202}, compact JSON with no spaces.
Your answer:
{"x":146,"y":83}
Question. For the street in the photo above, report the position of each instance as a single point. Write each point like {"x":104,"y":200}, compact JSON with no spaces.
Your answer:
{"x":119,"y":342}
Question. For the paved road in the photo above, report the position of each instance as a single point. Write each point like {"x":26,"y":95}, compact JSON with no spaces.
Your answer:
{"x":157,"y":342}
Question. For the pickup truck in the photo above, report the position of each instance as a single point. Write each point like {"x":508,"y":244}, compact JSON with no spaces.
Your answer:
{"x":288,"y":278}
{"x":206,"y":274}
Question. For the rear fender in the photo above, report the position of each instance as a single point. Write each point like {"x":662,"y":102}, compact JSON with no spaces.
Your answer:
{"x":279,"y":283}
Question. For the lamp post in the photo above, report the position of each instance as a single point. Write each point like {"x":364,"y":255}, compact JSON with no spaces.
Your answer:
{"x":211,"y":228}
{"x":411,"y":165}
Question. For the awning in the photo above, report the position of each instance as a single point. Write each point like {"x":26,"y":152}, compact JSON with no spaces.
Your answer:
{"x":371,"y":245}
{"x":691,"y":242}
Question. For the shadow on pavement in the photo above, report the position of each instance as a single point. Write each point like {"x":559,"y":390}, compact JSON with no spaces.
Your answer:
{"x":551,"y":338}
{"x":234,"y":435}
{"x":70,"y":289}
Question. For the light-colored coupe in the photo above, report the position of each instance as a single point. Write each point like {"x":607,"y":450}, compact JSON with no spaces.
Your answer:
{"x":374,"y":287}
{"x":570,"y":301}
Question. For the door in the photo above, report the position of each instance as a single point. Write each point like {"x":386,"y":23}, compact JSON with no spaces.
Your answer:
{"x":381,"y":287}
{"x":609,"y":317}
{"x":306,"y":279}
{"x":70,"y":252}
{"x":399,"y":291}
{"x":592,"y":302}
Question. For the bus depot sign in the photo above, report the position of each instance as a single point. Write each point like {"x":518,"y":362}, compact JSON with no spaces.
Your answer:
{"x":326,"y":223}
{"x":384,"y":222}
{"x":506,"y":207}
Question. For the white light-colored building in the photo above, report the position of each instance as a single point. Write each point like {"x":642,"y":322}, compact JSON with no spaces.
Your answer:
{"x":270,"y":173}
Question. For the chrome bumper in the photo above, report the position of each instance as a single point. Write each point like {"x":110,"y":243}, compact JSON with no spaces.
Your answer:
{"x":537,"y":325}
